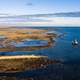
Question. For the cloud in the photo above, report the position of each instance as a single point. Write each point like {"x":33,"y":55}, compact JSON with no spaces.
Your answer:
{"x":54,"y":21}
{"x":57,"y":19}
{"x":68,"y":14}
{"x":29,"y":4}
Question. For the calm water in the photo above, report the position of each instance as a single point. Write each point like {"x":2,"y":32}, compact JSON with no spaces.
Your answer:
{"x":62,"y":50}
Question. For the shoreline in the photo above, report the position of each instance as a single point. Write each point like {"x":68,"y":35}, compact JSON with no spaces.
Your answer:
{"x":22,"y":57}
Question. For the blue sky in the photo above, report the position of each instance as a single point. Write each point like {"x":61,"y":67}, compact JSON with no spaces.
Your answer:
{"x":21,"y":7}
{"x":10,"y":9}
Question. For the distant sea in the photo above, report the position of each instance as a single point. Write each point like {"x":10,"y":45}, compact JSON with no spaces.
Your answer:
{"x":62,"y":50}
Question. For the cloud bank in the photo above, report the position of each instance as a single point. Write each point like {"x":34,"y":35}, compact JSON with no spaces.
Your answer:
{"x":57,"y":19}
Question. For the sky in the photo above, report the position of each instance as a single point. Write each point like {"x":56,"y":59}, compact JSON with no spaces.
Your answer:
{"x":21,"y":7}
{"x":29,"y":7}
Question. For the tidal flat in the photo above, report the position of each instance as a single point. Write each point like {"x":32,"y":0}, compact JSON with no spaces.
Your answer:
{"x":11,"y":38}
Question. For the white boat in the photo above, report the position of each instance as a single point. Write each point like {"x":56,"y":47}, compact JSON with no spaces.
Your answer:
{"x":75,"y":42}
